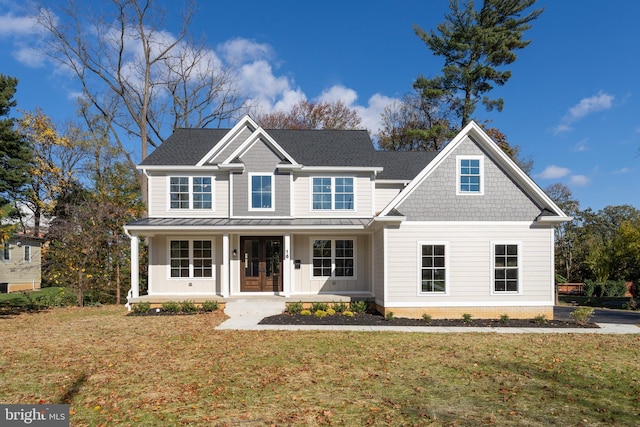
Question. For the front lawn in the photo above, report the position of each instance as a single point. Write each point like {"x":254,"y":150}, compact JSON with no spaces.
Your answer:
{"x":116,"y":369}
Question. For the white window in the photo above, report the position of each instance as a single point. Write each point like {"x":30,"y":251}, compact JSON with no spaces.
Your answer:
{"x":333,"y":258}
{"x":335,"y":193}
{"x":470,"y":179}
{"x":190,"y":192}
{"x":191,"y":258}
{"x":6,"y":252}
{"x":433,"y":267}
{"x":27,"y":253}
{"x":506,"y":268}
{"x":261,"y":192}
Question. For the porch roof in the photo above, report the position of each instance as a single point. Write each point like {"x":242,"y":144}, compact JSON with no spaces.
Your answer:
{"x":243,"y":224}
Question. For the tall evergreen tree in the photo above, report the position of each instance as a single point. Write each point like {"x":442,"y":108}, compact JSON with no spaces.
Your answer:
{"x":475,"y":44}
{"x":15,"y":154}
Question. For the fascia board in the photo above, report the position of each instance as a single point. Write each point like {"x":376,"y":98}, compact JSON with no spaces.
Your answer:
{"x":246,"y":121}
{"x":257,"y":135}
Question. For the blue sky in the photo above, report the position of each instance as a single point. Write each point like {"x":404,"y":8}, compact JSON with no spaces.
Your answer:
{"x":572,"y":104}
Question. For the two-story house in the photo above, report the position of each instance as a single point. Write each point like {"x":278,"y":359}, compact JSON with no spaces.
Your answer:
{"x":302,"y":213}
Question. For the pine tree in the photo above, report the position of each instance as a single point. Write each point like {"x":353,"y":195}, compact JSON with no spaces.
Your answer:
{"x":475,"y":44}
{"x":15,"y":154}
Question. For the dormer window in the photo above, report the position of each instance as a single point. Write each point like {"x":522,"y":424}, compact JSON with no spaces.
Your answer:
{"x":333,"y":193}
{"x":470,"y":175}
{"x":190,"y":192}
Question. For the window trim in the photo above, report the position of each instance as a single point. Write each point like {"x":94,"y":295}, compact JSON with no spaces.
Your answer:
{"x":518,"y":244}
{"x":6,"y":251}
{"x":459,"y":159}
{"x":333,"y":240}
{"x":27,"y":253}
{"x":190,"y":184}
{"x":190,"y":240}
{"x":447,"y":286}
{"x":333,"y":193}
{"x":273,"y":192}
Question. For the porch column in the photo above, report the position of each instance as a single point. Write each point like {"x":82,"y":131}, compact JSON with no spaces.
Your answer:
{"x":286,"y":270}
{"x":224,"y":268}
{"x":135,"y":267}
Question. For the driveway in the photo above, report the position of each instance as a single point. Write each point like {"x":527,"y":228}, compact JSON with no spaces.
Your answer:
{"x":601,"y":315}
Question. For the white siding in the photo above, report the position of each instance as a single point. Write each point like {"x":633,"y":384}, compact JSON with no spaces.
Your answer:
{"x":470,"y":263}
{"x":384,"y":195}
{"x":159,"y":197}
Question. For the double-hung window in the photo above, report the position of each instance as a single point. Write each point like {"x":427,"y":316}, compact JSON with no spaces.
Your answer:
{"x":191,"y":258}
{"x":334,"y":258}
{"x":190,"y":192}
{"x":433,"y":268}
{"x":261,"y":192}
{"x":333,"y":193}
{"x":506,"y":268}
{"x":6,"y":252}
{"x":470,"y":175}
{"x":27,"y":253}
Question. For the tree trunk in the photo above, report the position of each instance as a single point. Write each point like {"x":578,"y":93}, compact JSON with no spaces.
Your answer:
{"x":118,"y":282}
{"x":80,"y":293}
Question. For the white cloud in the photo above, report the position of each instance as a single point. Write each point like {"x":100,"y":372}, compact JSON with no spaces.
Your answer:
{"x":579,"y":180}
{"x":581,"y":146}
{"x":599,"y":102}
{"x":13,"y":26}
{"x":621,"y":171}
{"x":554,"y":172}
{"x":339,"y":93}
{"x":29,"y":56}
{"x":239,"y":50}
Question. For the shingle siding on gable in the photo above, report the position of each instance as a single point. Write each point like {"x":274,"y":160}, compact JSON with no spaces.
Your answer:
{"x":436,"y":200}
{"x":235,"y":143}
{"x":260,"y":158}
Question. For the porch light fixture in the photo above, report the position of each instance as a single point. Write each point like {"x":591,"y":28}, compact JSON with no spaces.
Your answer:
{"x":235,"y":253}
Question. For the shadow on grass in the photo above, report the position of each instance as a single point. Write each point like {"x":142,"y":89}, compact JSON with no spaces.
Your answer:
{"x":73,"y":389}
{"x":13,"y":308}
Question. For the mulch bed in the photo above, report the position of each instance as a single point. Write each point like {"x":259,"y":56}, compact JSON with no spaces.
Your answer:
{"x":369,"y":319}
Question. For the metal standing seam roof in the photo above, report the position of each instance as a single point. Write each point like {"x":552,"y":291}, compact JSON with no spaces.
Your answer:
{"x":172,"y":223}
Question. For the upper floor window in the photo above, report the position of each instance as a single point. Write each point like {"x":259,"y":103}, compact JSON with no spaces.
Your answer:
{"x":27,"y":253}
{"x":333,"y":193}
{"x":261,"y":192}
{"x":6,"y":252}
{"x":470,"y":175}
{"x":505,"y":268}
{"x":190,"y":192}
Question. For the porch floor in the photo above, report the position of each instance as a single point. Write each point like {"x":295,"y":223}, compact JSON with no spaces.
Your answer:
{"x":198,"y":299}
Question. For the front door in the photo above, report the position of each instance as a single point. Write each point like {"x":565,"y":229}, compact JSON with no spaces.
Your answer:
{"x":260,"y":264}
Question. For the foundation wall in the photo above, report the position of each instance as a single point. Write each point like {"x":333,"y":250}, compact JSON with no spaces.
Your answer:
{"x":475,"y":312}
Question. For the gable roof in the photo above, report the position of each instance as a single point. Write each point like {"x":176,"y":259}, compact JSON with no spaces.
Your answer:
{"x":550,"y":211}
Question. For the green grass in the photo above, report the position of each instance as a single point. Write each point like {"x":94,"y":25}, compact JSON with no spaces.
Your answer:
{"x":117,"y":370}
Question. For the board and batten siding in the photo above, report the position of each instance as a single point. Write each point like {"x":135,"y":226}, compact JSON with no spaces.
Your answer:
{"x":470,"y":263}
{"x":160,"y":281}
{"x":158,"y":204}
{"x":303,"y":190}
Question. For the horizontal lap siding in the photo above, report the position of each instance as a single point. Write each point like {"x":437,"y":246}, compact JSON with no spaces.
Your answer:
{"x":470,"y":261}
{"x":384,"y":195}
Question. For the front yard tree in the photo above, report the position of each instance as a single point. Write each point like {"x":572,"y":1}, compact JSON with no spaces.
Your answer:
{"x":567,"y":233}
{"x":475,"y":45}
{"x":15,"y":155}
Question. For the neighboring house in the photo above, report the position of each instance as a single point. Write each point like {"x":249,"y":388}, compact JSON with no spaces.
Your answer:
{"x":306,"y":213}
{"x":20,"y":263}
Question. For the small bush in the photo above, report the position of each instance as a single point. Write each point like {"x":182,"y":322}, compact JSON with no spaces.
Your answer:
{"x":359,"y":306}
{"x":142,"y":308}
{"x":540,"y":319}
{"x":294,"y":307}
{"x":305,"y":313}
{"x":320,"y":313}
{"x":466,"y":318}
{"x":347,"y":313}
{"x":504,"y":318}
{"x":171,"y":307}
{"x":210,"y":306}
{"x":339,"y":307}
{"x":57,"y":299}
{"x":426,"y":317}
{"x":315,"y":306}
{"x":615,"y":288}
{"x":331,"y":311}
{"x":389,"y":315}
{"x":582,"y":314}
{"x":188,"y":307}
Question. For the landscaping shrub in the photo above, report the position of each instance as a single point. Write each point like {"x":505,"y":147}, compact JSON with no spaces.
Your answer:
{"x":540,"y":319}
{"x":142,"y":308}
{"x":319,"y":306}
{"x":339,"y":307}
{"x":171,"y":307}
{"x":320,"y":313}
{"x":359,"y":306}
{"x":426,"y":317}
{"x":210,"y":306}
{"x":347,"y":313}
{"x":466,"y":318}
{"x":389,"y":315}
{"x":582,"y":314}
{"x":188,"y":307}
{"x":611,"y":288}
{"x":331,"y":311}
{"x":294,"y":307}
{"x":504,"y":318}
{"x":305,"y":313}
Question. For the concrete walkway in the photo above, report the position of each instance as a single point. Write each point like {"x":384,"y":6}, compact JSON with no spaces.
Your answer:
{"x":246,"y":313}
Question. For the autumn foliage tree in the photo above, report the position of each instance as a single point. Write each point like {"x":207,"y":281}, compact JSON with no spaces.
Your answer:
{"x":312,"y":115}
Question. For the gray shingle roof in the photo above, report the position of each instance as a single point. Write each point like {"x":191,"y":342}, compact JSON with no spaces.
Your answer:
{"x":186,"y":147}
